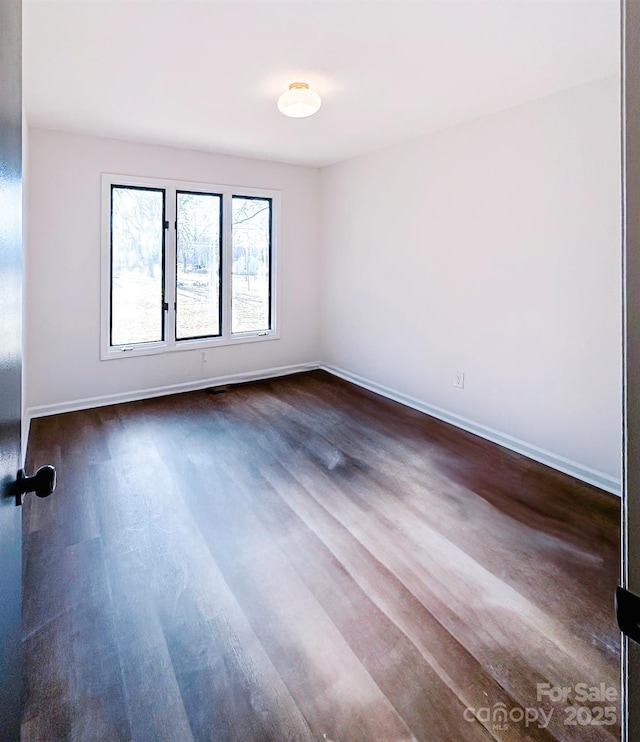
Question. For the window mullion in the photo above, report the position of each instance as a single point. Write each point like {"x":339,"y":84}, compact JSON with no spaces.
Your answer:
{"x":227,"y":261}
{"x":170,"y":268}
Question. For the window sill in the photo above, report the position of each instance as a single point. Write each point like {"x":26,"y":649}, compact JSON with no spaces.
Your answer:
{"x":185,"y":345}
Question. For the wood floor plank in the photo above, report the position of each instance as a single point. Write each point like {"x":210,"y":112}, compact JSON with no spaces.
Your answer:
{"x":455,"y":666}
{"x":490,"y":623}
{"x":333,"y":690}
{"x":575,"y":541}
{"x":299,"y":558}
{"x":86,"y":702}
{"x":560,"y":547}
{"x":442,"y":549}
{"x":415,"y":690}
{"x":222,"y":672}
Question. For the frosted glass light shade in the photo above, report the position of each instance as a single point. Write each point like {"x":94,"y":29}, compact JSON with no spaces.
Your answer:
{"x":299,"y":101}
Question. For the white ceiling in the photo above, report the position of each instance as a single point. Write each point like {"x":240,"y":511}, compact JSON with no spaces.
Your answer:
{"x":206,"y":75}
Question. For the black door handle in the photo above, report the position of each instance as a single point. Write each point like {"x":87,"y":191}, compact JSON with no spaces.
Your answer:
{"x":628,"y":613}
{"x":43,"y":482}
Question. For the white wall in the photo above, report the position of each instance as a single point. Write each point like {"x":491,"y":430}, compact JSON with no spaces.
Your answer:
{"x":63,"y":271}
{"x":492,"y":248}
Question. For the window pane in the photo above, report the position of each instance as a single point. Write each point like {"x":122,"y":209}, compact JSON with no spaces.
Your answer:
{"x":198,"y":265}
{"x":251,"y":269}
{"x":137,"y":266}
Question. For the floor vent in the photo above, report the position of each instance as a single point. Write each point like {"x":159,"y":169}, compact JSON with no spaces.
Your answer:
{"x":217,"y":390}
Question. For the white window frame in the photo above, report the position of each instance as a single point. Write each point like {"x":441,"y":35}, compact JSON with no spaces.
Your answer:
{"x":170,"y":344}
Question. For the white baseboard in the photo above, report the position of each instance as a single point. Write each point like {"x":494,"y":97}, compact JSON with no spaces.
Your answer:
{"x":162,"y":391}
{"x":579,"y":471}
{"x":573,"y":468}
{"x":26,"y":427}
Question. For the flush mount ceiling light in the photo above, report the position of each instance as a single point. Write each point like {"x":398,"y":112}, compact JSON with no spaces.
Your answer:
{"x":299,"y":101}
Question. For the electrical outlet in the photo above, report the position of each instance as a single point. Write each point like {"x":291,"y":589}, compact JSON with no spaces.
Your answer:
{"x":458,"y":380}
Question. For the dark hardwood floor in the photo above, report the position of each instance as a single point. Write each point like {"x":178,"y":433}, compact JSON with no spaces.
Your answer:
{"x":301,"y":560}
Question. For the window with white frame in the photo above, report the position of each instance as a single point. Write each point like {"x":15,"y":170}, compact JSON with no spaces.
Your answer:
{"x":186,"y":264}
